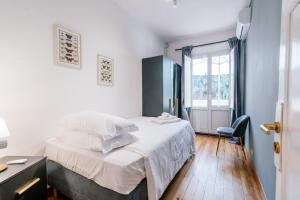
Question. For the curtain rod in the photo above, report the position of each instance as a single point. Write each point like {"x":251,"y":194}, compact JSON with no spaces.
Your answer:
{"x":201,"y":45}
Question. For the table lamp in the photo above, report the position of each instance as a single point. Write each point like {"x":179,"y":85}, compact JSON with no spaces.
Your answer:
{"x":4,"y":133}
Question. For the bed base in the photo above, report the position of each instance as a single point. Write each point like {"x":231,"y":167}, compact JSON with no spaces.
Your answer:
{"x":77,"y":187}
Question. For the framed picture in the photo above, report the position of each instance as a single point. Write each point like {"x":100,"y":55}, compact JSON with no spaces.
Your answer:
{"x":67,"y":47}
{"x":105,"y":70}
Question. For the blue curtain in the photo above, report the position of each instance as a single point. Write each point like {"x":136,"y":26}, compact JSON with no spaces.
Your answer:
{"x":239,"y":58}
{"x":186,"y":51}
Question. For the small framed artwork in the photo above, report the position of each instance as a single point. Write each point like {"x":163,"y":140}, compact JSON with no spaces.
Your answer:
{"x":67,"y":47}
{"x":105,"y":70}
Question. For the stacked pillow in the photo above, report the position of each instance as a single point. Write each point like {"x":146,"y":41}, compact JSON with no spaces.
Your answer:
{"x":97,"y":131}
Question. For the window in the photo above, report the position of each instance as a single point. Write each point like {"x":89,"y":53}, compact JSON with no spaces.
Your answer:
{"x":220,"y":80}
{"x":200,"y":82}
{"x":211,"y":81}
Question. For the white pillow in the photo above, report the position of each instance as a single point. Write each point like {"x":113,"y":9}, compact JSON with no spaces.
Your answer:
{"x":121,"y":123}
{"x":79,"y":139}
{"x":117,"y":142}
{"x":101,"y":124}
{"x":93,"y":142}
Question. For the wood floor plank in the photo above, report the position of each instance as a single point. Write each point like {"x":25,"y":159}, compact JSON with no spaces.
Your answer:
{"x":219,"y":186}
{"x":237,"y":182}
{"x":185,"y":184}
{"x":202,"y":176}
{"x":228,"y":189}
{"x":212,"y":173}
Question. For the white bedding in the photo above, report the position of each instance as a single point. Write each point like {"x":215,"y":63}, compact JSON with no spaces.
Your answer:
{"x":165,"y":147}
{"x":159,"y":153}
{"x":119,"y":170}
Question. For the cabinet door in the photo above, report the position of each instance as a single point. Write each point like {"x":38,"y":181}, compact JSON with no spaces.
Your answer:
{"x":177,"y":89}
{"x":153,"y":86}
{"x":168,"y":70}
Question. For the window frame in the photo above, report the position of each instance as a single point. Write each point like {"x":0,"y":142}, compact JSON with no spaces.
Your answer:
{"x":192,"y":95}
{"x":209,"y":70}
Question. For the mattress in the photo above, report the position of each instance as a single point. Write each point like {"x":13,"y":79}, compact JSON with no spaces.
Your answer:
{"x":119,"y":170}
{"x":77,"y":187}
{"x":158,"y":154}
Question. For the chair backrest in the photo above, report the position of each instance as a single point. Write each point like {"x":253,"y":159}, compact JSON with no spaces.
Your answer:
{"x":240,"y":126}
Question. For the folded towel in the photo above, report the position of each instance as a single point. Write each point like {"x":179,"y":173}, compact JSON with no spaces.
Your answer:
{"x":166,"y":118}
{"x":166,"y":121}
{"x":165,"y":114}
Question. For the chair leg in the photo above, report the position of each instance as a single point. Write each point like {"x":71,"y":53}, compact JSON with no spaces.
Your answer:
{"x":55,"y":194}
{"x":218,"y":144}
{"x":242,"y":144}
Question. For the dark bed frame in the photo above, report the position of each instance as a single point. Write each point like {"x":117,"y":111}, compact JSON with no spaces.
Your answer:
{"x":77,"y":187}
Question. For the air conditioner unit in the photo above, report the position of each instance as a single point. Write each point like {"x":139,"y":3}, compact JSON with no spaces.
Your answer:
{"x":243,"y":24}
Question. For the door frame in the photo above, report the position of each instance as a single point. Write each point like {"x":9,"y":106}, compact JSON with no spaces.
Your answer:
{"x":288,"y":7}
{"x":209,"y":109}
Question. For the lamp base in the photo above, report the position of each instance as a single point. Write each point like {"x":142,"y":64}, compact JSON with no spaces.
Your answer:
{"x":3,"y":167}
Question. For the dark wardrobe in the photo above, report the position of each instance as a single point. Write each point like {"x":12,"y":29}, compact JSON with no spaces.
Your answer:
{"x":161,"y":86}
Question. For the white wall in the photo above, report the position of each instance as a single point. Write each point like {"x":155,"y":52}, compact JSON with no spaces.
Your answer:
{"x":201,"y":39}
{"x":36,"y":93}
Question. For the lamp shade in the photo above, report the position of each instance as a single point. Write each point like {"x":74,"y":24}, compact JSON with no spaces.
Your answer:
{"x":3,"y":129}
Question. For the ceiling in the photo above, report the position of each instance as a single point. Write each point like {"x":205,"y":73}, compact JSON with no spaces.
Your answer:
{"x":189,"y":18}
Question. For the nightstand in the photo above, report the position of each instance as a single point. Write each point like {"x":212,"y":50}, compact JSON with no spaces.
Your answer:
{"x":24,"y":181}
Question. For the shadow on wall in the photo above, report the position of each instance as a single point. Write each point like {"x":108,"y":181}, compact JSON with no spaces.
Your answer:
{"x":248,"y":138}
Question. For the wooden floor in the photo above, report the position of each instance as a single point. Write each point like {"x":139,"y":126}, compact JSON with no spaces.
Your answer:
{"x":227,"y":176}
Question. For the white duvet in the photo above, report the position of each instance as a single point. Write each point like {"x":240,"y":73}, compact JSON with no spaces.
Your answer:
{"x":159,"y":153}
{"x":165,"y":148}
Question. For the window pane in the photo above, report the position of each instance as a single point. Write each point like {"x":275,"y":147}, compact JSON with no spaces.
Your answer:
{"x":224,"y":64}
{"x":200,"y":66}
{"x":199,"y":84}
{"x":215,"y":64}
{"x":224,"y":90}
{"x":220,"y":80}
{"x":214,"y":89}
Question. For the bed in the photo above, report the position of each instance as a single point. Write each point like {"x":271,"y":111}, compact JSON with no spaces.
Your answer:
{"x":138,"y":171}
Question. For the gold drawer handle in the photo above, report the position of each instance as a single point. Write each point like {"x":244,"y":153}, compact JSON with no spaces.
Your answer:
{"x":21,"y":190}
{"x":268,"y":128}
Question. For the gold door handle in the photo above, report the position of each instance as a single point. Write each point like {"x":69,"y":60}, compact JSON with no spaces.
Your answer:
{"x":21,"y":190}
{"x":268,"y":128}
